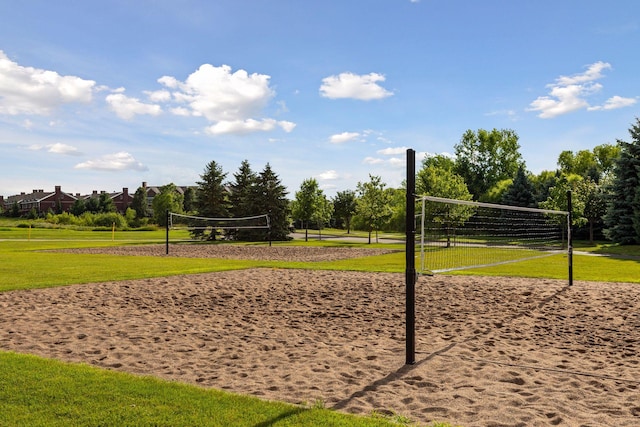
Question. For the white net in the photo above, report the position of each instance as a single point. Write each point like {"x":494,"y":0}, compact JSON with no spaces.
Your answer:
{"x":190,"y":222}
{"x":459,"y":234}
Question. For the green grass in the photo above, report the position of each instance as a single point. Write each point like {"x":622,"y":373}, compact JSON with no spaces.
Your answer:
{"x":41,"y":392}
{"x":35,"y":391}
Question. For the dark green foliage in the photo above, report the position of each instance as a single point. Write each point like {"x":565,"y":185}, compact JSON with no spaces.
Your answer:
{"x":271,"y":198}
{"x":189,"y":202}
{"x":211,"y":197}
{"x":241,"y":199}
{"x":344,"y":207}
{"x":140,"y":204}
{"x":520,"y":193}
{"x":622,"y":221}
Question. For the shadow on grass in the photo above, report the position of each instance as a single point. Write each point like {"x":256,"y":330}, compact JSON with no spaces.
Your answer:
{"x":281,"y":417}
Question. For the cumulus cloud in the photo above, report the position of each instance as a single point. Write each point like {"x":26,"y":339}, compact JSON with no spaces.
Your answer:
{"x":348,"y":85}
{"x":34,"y":91}
{"x":343,"y":137}
{"x":230,"y":100}
{"x":569,"y":93}
{"x":392,"y":151}
{"x":113,"y":162}
{"x":328,"y":175}
{"x":248,"y":126}
{"x":615,"y":102}
{"x":127,"y":107}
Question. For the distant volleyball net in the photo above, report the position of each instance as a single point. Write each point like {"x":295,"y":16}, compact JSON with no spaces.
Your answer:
{"x":459,"y":234}
{"x":208,"y":228}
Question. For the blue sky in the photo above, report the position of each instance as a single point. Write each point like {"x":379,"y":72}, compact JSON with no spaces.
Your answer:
{"x":101,"y":95}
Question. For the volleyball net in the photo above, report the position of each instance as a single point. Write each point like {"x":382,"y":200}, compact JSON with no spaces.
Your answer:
{"x":459,"y":234}
{"x":207,"y":228}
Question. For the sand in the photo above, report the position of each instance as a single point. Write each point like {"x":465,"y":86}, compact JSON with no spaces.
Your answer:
{"x":490,"y":351}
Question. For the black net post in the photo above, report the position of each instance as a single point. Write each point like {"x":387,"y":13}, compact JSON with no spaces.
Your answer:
{"x":410,"y":263}
{"x":166,"y":245}
{"x":569,"y":237}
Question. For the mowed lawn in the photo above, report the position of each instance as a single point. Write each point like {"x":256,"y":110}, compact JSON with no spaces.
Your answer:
{"x":35,"y":391}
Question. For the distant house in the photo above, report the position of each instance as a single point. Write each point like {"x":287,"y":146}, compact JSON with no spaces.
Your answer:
{"x":59,"y":201}
{"x":41,"y":201}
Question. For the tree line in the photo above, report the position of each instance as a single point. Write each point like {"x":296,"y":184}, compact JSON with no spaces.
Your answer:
{"x":486,"y":166}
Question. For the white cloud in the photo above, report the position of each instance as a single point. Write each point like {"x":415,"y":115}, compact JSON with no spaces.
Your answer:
{"x":349,"y":85}
{"x":127,"y":107}
{"x":113,"y":162}
{"x":614,"y":103}
{"x":248,"y":126}
{"x":28,"y":90}
{"x":219,"y":94}
{"x":343,"y":137}
{"x":328,"y":175}
{"x":57,"y":148}
{"x":569,"y":94}
{"x":372,"y":161}
{"x":229,"y":100}
{"x":158,"y":95}
{"x":392,"y":151}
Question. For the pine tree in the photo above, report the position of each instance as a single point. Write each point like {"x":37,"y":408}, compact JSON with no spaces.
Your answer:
{"x":520,"y":193}
{"x":241,"y":199}
{"x":622,"y":221}
{"x":271,"y":197}
{"x":211,"y":196}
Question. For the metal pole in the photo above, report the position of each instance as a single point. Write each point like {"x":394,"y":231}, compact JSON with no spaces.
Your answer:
{"x":410,"y":262}
{"x":167,"y":238}
{"x":569,"y":237}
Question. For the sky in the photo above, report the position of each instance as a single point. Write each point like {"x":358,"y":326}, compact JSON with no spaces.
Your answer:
{"x":102,"y":95}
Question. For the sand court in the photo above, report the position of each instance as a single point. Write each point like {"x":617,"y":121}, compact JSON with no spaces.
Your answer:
{"x":490,"y":351}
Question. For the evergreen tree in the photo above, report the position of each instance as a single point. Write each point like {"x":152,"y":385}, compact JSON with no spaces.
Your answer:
{"x":622,"y":221}
{"x":271,"y":197}
{"x":189,"y":199}
{"x":520,"y":193}
{"x":211,"y":197}
{"x":241,"y":199}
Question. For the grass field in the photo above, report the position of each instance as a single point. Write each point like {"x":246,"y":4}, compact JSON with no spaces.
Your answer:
{"x":35,"y":391}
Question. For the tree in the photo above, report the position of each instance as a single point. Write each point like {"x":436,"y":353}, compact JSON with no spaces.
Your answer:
{"x":189,"y":199}
{"x":622,"y":220}
{"x":140,"y":204}
{"x":78,"y":207}
{"x":595,"y":203}
{"x":439,"y":182}
{"x":484,"y":158}
{"x":242,"y":193}
{"x":105,"y":203}
{"x":323,"y":212}
{"x":373,"y":204}
{"x":542,"y":183}
{"x":211,"y":198}
{"x":306,"y":203}
{"x":169,"y":199}
{"x":344,"y":206}
{"x":593,"y":164}
{"x":558,"y":201}
{"x":271,"y":198}
{"x":520,"y":193}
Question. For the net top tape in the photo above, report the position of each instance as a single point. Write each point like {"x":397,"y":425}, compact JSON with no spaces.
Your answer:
{"x":491,"y":205}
